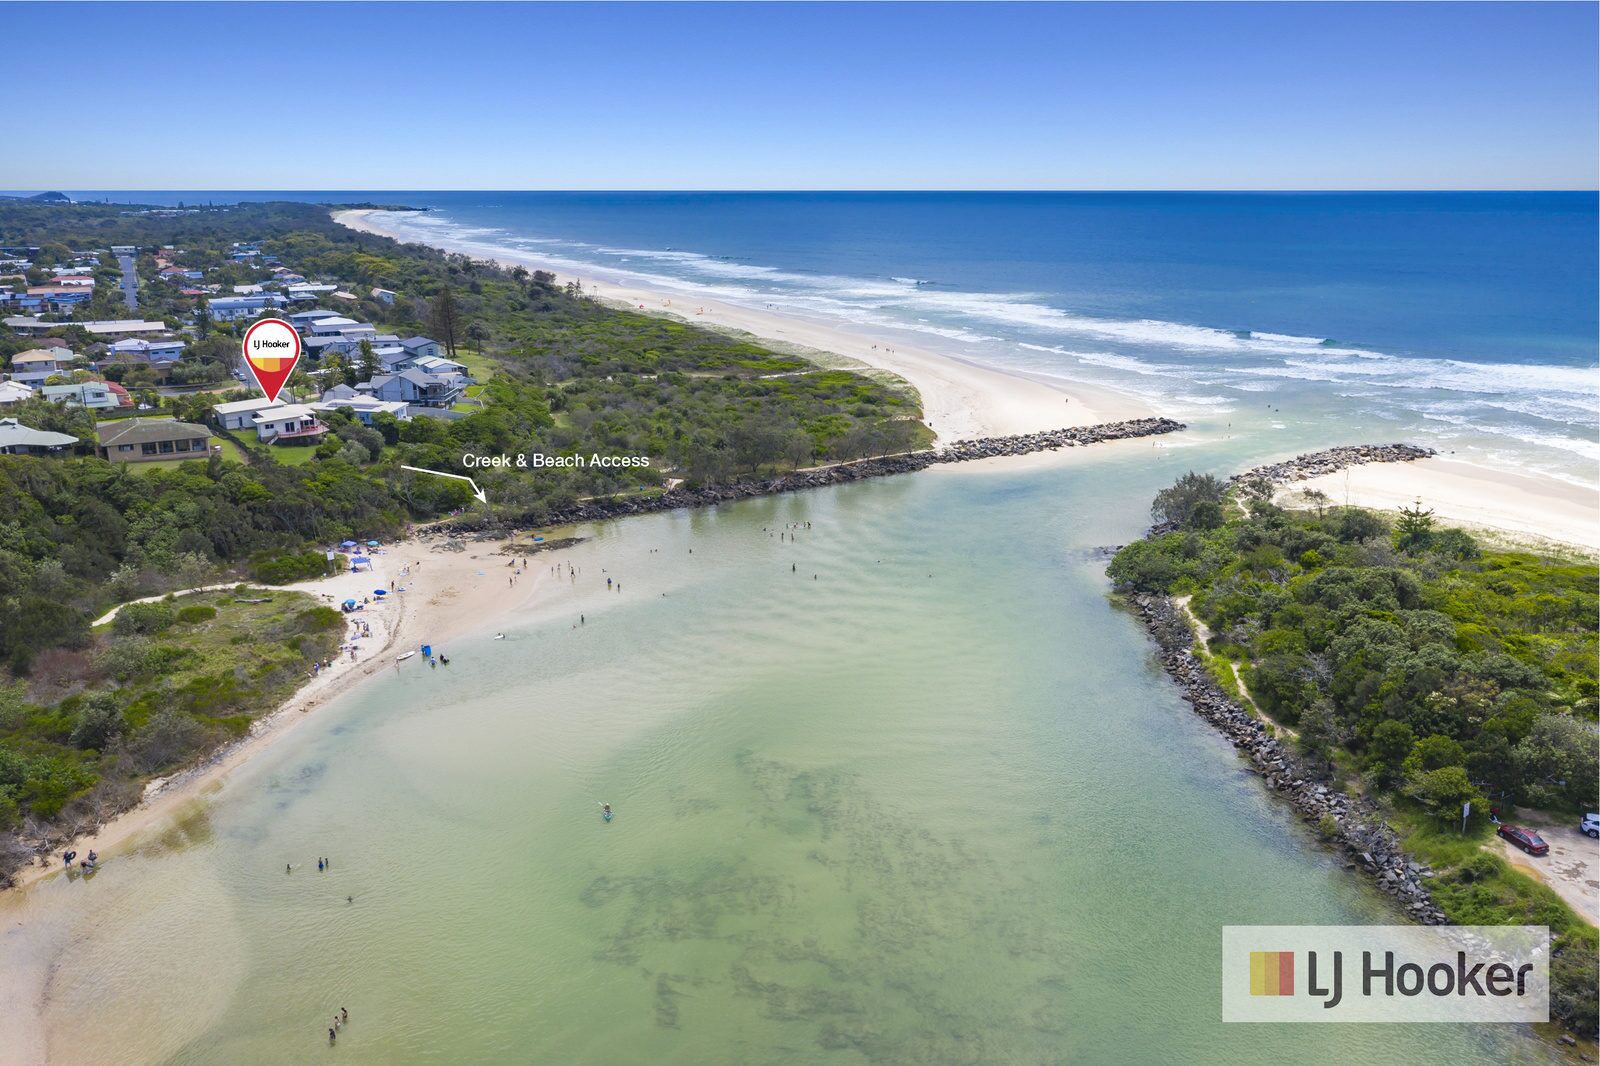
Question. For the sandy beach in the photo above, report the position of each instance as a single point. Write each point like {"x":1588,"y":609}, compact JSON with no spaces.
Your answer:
{"x":961,"y":400}
{"x":1523,"y":509}
{"x":446,"y":594}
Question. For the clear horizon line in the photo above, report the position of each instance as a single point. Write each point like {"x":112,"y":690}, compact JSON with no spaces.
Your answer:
{"x":990,"y":191}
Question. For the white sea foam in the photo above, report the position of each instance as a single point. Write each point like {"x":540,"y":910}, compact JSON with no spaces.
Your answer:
{"x":1526,"y":403}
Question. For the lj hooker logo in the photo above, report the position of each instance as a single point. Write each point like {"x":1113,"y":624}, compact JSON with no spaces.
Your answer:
{"x":1383,"y":973}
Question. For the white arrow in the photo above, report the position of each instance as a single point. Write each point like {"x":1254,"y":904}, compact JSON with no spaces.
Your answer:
{"x":476,"y":491}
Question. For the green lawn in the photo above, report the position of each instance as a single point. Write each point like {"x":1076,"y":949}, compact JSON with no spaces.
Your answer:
{"x":293,"y":455}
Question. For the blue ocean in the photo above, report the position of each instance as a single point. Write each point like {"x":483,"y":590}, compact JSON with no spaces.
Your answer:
{"x":1467,"y":321}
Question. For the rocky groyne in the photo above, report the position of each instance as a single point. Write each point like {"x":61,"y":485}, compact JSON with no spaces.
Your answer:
{"x":1328,"y":461}
{"x":822,"y":476}
{"x":1342,"y":822}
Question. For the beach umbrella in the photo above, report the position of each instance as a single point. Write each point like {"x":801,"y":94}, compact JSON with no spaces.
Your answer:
{"x":380,"y":592}
{"x":372,"y":544}
{"x":349,"y":603}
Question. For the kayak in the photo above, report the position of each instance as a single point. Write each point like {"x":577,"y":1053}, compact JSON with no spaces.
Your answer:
{"x":606,"y":815}
{"x":403,"y":658}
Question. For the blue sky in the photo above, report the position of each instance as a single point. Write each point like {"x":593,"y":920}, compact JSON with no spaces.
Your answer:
{"x":778,"y":96}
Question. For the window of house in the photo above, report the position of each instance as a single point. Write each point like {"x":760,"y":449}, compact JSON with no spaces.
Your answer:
{"x":166,"y":447}
{"x":148,"y":449}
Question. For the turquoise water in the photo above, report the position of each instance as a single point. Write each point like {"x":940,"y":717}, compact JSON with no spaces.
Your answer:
{"x":936,"y":804}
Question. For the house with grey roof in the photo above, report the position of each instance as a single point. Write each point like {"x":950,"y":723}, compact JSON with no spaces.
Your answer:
{"x":18,"y":439}
{"x":414,"y":388}
{"x":142,"y":440}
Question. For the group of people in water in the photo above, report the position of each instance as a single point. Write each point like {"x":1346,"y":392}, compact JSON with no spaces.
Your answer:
{"x":340,"y":1020}
{"x":89,"y":862}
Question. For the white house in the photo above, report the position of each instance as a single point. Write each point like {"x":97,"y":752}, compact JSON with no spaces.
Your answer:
{"x":346,"y":327}
{"x":384,"y":295}
{"x":301,"y":320}
{"x":95,"y":395}
{"x":291,"y":423}
{"x":363,"y":407}
{"x":241,"y":413}
{"x":306,"y":291}
{"x":160,"y":350}
{"x":13,"y":392}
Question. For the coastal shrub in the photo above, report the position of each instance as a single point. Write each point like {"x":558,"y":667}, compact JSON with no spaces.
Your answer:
{"x":1556,"y":764}
{"x":167,"y":738}
{"x":319,"y":620}
{"x":1194,"y":501}
{"x":142,"y":618}
{"x":99,"y":722}
{"x":284,"y":569}
{"x":200,"y":612}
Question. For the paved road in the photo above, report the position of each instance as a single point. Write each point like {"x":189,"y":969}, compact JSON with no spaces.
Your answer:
{"x":130,"y":282}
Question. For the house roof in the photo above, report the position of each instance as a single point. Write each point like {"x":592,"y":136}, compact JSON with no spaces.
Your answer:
{"x":288,"y":410}
{"x":12,"y":391}
{"x":36,"y":355}
{"x":417,"y":342}
{"x":13,"y":433}
{"x":148,"y":431}
{"x":243,"y":406}
{"x":123,"y":325}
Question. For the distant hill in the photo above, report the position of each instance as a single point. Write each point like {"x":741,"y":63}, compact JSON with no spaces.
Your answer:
{"x":43,"y":197}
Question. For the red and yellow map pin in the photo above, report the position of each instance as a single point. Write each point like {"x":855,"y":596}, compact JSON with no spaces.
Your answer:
{"x":271,"y":350}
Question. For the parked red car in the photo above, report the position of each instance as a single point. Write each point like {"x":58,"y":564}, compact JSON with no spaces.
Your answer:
{"x":1526,"y":839}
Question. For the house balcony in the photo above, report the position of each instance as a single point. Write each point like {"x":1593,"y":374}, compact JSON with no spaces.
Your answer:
{"x":300,"y":433}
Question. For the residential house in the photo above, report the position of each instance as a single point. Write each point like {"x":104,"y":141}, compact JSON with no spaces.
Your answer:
{"x":122,"y":327}
{"x":140,"y":440}
{"x":316,"y":348}
{"x":124,"y":249}
{"x":343,"y":397}
{"x":239,"y":308}
{"x":438,"y":364}
{"x":347,"y":327}
{"x":291,"y":423}
{"x":18,"y":439}
{"x":26,"y":325}
{"x":95,"y":395}
{"x":36,"y":366}
{"x":301,"y":291}
{"x":302,"y":320}
{"x":413,"y":387}
{"x":421,"y":346}
{"x":160,"y":350}
{"x":13,"y":392}
{"x":384,"y":295}
{"x":241,"y":413}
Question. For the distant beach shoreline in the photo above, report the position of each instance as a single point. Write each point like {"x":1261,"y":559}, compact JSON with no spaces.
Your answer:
{"x":964,"y":399}
{"x":961,"y":400}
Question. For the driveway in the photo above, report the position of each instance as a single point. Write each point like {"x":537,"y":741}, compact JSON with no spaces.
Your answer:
{"x":1572,"y":868}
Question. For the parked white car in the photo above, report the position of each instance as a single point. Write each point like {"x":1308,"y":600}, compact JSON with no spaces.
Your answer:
{"x":1590,"y":825}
